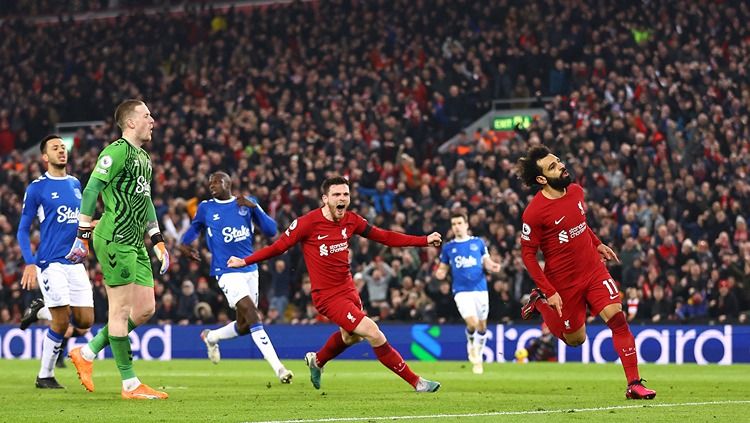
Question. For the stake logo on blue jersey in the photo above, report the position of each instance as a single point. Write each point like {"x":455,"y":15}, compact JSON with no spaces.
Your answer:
{"x":465,"y":260}
{"x":55,"y":202}
{"x":229,"y":231}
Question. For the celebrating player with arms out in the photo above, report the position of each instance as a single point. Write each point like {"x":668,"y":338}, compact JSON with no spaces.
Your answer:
{"x":466,"y":257}
{"x":54,"y":198}
{"x":324,"y":234}
{"x":123,"y":176}
{"x":574,"y":276}
{"x":229,"y":223}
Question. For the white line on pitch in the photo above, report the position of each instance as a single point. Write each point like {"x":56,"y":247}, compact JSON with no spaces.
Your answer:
{"x":511,"y":413}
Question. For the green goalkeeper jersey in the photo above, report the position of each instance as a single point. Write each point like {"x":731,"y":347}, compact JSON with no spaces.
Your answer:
{"x":126,"y":173}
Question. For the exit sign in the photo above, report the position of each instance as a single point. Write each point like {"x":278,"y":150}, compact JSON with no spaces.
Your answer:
{"x":509,"y":123}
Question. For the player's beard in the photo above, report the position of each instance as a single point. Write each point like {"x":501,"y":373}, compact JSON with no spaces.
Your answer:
{"x":559,"y":183}
{"x":58,"y":166}
{"x":335,"y":212}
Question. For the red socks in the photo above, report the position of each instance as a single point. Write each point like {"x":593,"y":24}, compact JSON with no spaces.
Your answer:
{"x":392,"y":360}
{"x":624,"y":343}
{"x":551,"y":318}
{"x":385,"y":353}
{"x":333,"y":347}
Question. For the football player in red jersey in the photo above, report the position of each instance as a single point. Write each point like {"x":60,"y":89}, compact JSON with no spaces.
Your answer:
{"x":324,"y":234}
{"x":574,"y":276}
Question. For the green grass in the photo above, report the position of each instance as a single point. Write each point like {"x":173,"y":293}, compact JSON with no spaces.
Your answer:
{"x":245,"y":390}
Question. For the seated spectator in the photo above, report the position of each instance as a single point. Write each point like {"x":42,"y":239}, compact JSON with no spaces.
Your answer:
{"x":725,"y":307}
{"x":186,"y":302}
{"x":544,"y":347}
{"x":658,"y":308}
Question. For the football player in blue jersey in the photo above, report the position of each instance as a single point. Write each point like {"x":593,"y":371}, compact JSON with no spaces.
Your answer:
{"x":54,"y":199}
{"x":229,"y":224}
{"x":467,"y":258}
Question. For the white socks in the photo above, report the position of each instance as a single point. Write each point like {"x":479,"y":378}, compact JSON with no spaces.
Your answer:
{"x":480,"y":339}
{"x":470,"y":336}
{"x":263,"y":342}
{"x":227,"y":332}
{"x":51,"y":347}
{"x":87,"y":354}
{"x":130,"y":384}
{"x":44,"y":314}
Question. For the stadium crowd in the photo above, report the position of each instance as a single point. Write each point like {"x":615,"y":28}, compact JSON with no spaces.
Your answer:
{"x":650,"y":112}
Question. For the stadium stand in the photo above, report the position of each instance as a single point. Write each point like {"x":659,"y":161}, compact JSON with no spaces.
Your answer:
{"x":649,"y":110}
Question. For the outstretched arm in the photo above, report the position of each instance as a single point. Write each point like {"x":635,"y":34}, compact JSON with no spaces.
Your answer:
{"x":265,"y":253}
{"x":288,"y":238}
{"x":397,"y":239}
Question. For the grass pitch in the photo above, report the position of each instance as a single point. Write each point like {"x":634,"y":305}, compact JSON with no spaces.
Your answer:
{"x":364,"y":391}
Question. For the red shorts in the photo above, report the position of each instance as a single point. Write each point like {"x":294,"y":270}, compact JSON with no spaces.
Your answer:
{"x":596,"y":293}
{"x":344,"y":309}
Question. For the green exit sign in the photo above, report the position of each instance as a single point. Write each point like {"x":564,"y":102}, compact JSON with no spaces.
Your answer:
{"x":508,"y":123}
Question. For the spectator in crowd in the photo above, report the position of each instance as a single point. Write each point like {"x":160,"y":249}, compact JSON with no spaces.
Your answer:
{"x":725,"y":306}
{"x":543,"y":347}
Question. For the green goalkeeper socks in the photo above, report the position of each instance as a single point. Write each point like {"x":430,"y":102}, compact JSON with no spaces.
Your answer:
{"x":123,"y":356}
{"x":101,"y":340}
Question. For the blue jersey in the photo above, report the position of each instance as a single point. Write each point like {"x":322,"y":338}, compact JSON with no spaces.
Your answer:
{"x":55,"y":201}
{"x":229,"y":231}
{"x":465,"y":259}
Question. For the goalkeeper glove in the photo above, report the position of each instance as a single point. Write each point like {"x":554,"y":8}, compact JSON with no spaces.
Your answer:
{"x":80,"y":249}
{"x":160,"y":250}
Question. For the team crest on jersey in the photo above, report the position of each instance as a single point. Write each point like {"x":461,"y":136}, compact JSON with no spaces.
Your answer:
{"x":343,"y":233}
{"x":125,"y":273}
{"x":77,"y":193}
{"x":580,"y":207}
{"x":243,"y":211}
{"x":474,"y":247}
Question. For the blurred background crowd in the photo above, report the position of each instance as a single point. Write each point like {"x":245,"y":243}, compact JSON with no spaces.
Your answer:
{"x":647,"y":104}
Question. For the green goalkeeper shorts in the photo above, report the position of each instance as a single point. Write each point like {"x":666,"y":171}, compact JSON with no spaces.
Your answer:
{"x":123,"y":264}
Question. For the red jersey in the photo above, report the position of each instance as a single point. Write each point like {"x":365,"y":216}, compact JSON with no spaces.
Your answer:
{"x":325,"y":247}
{"x":558,"y":227}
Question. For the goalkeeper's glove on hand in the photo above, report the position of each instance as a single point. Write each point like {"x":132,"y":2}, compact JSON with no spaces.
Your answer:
{"x":80,"y":249}
{"x":160,"y":250}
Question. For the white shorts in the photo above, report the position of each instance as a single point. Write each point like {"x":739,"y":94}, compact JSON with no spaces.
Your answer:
{"x":473,"y":304}
{"x":66,"y":284}
{"x":237,"y":286}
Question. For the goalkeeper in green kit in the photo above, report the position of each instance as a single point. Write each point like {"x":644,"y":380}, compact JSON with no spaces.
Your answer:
{"x":123,"y":176}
